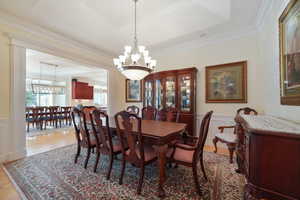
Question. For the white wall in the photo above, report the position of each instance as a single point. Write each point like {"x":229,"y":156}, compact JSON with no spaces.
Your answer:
{"x":269,"y":52}
{"x":193,"y":54}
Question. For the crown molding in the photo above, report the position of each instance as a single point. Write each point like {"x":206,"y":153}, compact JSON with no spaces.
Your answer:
{"x":26,"y":26}
{"x":214,"y":39}
{"x":78,"y":55}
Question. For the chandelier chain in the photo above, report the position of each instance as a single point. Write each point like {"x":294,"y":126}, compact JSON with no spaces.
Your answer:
{"x":135,"y":30}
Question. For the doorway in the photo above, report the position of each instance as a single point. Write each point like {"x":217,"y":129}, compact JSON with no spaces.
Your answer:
{"x":49,"y":98}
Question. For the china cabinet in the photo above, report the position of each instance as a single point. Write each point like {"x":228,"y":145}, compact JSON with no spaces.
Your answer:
{"x":176,"y":89}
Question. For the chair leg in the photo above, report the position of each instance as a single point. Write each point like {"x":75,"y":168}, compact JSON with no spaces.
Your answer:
{"x":77,"y":154}
{"x":111,"y":159}
{"x":202,"y":167}
{"x":87,"y":157}
{"x":142,"y":172}
{"x":122,"y":171}
{"x":97,"y":160}
{"x":198,"y":189}
{"x":28,"y":127}
{"x":231,"y":148}
{"x":41,"y":125}
{"x":215,"y":140}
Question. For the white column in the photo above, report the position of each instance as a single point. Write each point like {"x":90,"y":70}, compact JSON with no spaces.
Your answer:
{"x":17,"y":134}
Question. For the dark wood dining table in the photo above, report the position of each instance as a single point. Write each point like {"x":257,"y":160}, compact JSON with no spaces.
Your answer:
{"x":159,"y":134}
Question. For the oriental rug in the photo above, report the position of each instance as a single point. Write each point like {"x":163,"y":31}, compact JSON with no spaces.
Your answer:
{"x":53,"y":175}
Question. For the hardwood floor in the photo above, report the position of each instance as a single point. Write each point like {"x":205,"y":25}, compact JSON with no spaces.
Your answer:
{"x":39,"y":144}
{"x":58,"y":138}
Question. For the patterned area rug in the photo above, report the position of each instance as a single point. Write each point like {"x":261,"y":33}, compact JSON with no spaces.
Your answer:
{"x":53,"y":175}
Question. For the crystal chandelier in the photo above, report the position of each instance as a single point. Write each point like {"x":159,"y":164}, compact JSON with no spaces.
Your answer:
{"x":130,"y":63}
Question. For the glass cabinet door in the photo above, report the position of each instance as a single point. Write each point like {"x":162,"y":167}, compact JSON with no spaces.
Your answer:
{"x":158,"y":94}
{"x":185,"y":92}
{"x":148,"y":99}
{"x":170,"y":91}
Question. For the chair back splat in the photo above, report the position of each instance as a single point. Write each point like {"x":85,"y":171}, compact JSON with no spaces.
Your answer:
{"x":149,"y":113}
{"x":203,"y":132}
{"x":101,"y":130}
{"x":168,"y":114}
{"x":126,"y":124}
{"x":79,"y":121}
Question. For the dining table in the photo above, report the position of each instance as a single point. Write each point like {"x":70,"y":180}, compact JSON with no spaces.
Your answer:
{"x":159,"y":134}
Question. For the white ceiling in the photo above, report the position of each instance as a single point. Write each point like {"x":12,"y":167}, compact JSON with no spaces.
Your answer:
{"x":108,"y":24}
{"x":65,"y":70}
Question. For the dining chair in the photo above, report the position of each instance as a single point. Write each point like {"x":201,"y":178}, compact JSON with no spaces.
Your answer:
{"x":36,"y":119}
{"x":103,"y":136}
{"x":230,"y":139}
{"x":191,"y":152}
{"x":133,"y":109}
{"x":66,"y":113}
{"x":168,"y":114}
{"x":87,"y":110}
{"x":82,"y":134}
{"x":30,"y":117}
{"x":149,"y":113}
{"x":139,"y":154}
{"x":54,"y":115}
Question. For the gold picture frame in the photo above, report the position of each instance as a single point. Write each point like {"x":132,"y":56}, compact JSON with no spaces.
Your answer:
{"x":133,"y":91}
{"x":289,"y":45}
{"x":226,"y":83}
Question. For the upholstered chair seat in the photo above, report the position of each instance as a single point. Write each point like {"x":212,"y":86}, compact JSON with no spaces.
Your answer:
{"x":182,"y":154}
{"x":228,"y":137}
{"x":149,"y":152}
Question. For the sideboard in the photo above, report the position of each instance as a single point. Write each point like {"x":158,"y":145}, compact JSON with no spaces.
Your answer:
{"x":268,"y":154}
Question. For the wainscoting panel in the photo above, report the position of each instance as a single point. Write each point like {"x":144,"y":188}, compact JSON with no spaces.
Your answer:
{"x":4,"y":128}
{"x":216,"y":121}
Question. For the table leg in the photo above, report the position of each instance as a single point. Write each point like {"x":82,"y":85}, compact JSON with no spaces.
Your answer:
{"x":162,"y":150}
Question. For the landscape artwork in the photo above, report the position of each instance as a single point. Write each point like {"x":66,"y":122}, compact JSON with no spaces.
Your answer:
{"x":226,"y":83}
{"x":133,"y":91}
{"x":289,"y":24}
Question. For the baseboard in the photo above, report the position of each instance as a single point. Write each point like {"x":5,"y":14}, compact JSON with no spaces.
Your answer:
{"x":10,"y":156}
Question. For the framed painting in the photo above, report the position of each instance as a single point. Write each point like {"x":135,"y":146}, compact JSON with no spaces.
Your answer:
{"x":289,"y":41}
{"x":226,"y":83}
{"x":133,"y":91}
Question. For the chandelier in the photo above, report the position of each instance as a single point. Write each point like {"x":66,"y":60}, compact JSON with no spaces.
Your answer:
{"x":135,"y":63}
{"x":42,"y":88}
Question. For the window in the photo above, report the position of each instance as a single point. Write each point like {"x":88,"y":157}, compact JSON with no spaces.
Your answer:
{"x":100,"y":96}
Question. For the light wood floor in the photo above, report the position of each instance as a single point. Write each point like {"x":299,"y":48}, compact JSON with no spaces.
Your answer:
{"x":39,"y":144}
